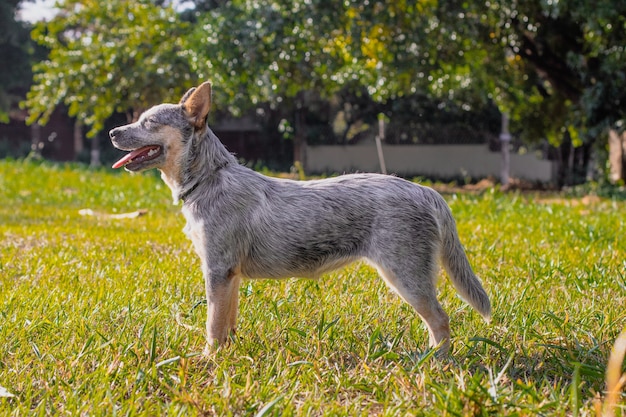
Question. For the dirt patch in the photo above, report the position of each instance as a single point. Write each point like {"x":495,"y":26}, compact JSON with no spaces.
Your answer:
{"x":588,"y":200}
{"x":490,"y":183}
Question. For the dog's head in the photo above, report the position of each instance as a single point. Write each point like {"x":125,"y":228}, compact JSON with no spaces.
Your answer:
{"x":162,"y":134}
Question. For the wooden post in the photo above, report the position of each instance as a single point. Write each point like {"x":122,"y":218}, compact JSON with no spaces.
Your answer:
{"x":298,"y":134}
{"x":505,"y":141}
{"x":379,"y":147}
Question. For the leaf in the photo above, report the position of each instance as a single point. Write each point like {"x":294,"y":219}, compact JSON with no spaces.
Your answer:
{"x":268,"y":407}
{"x":4,"y":393}
{"x":168,"y":361}
{"x":153,"y":345}
{"x":575,"y":391}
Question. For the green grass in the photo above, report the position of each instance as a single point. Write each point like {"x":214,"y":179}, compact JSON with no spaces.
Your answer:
{"x":92,"y":311}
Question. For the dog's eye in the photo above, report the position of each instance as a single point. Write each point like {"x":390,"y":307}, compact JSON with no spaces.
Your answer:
{"x":151,"y":123}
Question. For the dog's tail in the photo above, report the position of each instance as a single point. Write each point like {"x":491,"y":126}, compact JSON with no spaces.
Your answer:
{"x":458,"y":267}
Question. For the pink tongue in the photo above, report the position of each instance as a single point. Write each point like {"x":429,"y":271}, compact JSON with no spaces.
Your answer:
{"x":130,"y":156}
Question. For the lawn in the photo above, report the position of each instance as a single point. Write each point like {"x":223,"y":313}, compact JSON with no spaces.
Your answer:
{"x":103,"y":315}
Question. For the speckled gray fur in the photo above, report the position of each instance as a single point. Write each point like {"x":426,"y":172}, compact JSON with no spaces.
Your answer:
{"x":244,"y":224}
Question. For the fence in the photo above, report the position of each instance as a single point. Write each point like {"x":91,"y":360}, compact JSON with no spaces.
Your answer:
{"x":433,"y":161}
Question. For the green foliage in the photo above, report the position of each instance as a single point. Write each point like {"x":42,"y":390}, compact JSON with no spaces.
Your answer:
{"x":556,"y":68}
{"x":267,"y":51}
{"x":114,"y":56}
{"x":92,"y":309}
{"x":403,"y":48}
{"x":16,"y":54}
{"x":567,"y":66}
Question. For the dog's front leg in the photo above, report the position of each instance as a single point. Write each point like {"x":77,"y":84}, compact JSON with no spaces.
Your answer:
{"x":234,"y":304}
{"x":221,"y":294}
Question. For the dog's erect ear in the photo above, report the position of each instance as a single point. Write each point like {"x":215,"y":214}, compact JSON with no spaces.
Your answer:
{"x":198,"y":104}
{"x":186,"y":95}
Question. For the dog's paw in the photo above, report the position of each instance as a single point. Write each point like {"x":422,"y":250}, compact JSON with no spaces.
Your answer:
{"x":214,"y":344}
{"x":210,"y":349}
{"x":442,"y":349}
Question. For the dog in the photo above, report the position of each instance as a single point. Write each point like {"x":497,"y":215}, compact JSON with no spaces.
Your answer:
{"x":247,"y":225}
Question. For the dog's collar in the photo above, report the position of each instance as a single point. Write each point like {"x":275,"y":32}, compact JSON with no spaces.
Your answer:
{"x":184,"y":194}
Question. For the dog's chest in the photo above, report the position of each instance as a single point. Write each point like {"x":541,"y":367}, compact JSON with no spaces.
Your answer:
{"x":194,"y":229}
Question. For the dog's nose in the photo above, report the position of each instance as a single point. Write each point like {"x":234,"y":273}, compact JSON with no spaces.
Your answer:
{"x":114,"y":132}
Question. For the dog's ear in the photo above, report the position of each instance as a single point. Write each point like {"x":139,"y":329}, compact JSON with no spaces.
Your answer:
{"x":198,"y":104}
{"x":186,"y":95}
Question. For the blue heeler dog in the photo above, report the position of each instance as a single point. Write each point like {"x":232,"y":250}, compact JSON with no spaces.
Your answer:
{"x":246,"y":225}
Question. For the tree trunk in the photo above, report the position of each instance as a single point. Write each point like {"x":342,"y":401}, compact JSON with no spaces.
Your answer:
{"x":36,"y":145}
{"x":564,"y":169}
{"x":617,"y":156}
{"x":573,"y":162}
{"x":505,"y":141}
{"x":580,"y":163}
{"x":78,"y":139}
{"x":95,"y":151}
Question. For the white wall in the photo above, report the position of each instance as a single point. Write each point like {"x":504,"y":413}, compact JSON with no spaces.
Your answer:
{"x":438,"y":161}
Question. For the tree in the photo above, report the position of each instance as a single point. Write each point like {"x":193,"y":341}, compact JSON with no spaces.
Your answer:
{"x":557,"y":67}
{"x":106,"y":57}
{"x":17,"y":53}
{"x":566,"y":78}
{"x":270,"y":51}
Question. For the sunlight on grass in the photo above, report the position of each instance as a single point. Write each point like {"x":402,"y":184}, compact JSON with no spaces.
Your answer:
{"x":92,"y":309}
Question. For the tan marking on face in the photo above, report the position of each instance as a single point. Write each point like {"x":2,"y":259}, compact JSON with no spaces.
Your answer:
{"x":174,"y":149}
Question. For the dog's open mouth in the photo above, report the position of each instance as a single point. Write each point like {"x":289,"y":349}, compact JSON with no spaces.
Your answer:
{"x":139,"y":156}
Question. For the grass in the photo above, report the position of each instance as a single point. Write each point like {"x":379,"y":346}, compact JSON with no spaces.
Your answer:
{"x":94,"y":313}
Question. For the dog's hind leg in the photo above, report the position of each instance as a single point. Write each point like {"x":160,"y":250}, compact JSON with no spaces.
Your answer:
{"x":418,"y":289}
